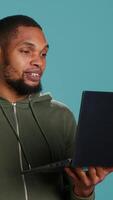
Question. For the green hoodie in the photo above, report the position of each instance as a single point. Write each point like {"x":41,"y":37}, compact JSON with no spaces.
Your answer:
{"x":34,"y":132}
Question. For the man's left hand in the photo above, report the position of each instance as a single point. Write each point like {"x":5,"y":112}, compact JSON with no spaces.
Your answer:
{"x":85,"y":181}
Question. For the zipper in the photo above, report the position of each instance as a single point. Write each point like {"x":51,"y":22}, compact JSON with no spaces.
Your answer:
{"x":20,"y":151}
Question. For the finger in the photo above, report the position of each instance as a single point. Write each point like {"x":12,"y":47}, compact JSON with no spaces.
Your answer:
{"x":96,"y":174}
{"x":83,"y":176}
{"x":108,"y":170}
{"x":101,"y":172}
{"x":91,"y":172}
{"x":71,"y":174}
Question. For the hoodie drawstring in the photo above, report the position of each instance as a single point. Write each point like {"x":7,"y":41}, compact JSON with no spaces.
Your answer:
{"x":17,"y":137}
{"x":41,"y":130}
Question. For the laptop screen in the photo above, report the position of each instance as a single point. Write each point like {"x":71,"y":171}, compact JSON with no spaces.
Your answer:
{"x":94,"y":136}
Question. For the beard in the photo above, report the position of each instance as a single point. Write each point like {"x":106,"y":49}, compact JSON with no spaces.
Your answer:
{"x":18,"y":85}
{"x":21,"y":88}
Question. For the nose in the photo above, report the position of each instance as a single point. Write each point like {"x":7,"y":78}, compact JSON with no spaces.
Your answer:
{"x":36,"y":60}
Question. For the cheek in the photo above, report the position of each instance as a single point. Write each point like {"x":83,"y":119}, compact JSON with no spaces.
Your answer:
{"x":10,"y":72}
{"x":14,"y":69}
{"x":14,"y":65}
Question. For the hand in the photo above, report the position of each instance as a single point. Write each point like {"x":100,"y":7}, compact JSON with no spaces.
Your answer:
{"x":84,"y":182}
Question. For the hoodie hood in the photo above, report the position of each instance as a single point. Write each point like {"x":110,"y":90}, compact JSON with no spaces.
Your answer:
{"x":40,"y":97}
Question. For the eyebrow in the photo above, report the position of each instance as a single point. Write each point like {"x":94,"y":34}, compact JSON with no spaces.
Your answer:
{"x":33,"y":45}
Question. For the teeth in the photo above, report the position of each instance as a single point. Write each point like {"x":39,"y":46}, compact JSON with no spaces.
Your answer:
{"x":34,"y":74}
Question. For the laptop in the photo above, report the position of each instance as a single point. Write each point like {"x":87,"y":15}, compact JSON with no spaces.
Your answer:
{"x":94,"y":136}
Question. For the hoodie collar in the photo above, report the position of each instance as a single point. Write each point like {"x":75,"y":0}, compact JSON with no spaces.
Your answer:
{"x":38,"y":97}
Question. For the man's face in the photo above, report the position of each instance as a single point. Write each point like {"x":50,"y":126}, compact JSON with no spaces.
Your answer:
{"x":24,"y":60}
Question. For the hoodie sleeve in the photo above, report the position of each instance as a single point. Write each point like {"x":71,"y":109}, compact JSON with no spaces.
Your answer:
{"x":74,"y":197}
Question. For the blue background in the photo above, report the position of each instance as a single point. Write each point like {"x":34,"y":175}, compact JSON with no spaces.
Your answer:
{"x":80,"y":35}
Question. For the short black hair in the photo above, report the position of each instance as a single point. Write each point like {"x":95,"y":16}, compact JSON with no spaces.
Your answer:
{"x":10,"y":24}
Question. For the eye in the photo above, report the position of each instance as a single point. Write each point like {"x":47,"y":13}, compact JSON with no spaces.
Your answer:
{"x":25,"y":51}
{"x":44,"y":54}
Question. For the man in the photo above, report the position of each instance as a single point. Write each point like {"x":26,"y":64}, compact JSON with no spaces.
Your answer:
{"x":35,"y":129}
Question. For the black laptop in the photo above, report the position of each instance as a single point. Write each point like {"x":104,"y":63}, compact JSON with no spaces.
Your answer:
{"x":94,"y":136}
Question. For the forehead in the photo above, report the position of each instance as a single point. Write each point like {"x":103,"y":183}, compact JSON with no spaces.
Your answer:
{"x":29,"y":34}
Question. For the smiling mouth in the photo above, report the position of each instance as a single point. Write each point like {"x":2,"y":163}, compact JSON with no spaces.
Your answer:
{"x":33,"y":76}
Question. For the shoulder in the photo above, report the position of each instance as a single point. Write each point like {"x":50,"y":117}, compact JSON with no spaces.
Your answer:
{"x":61,"y":106}
{"x":62,"y":110}
{"x":46,"y":103}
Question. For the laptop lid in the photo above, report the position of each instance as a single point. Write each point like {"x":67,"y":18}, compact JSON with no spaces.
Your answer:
{"x":94,"y":137}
